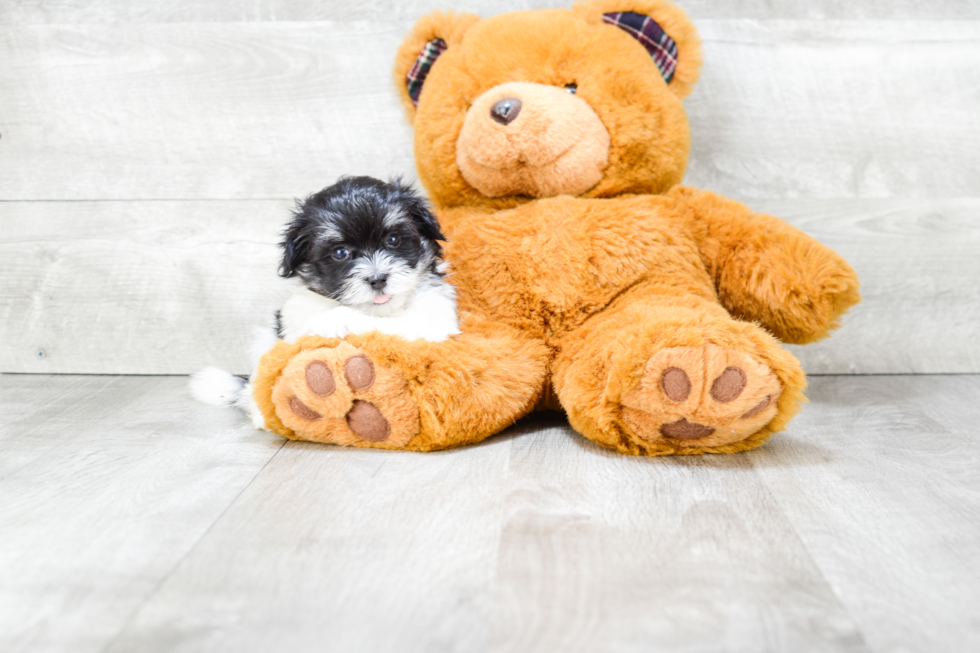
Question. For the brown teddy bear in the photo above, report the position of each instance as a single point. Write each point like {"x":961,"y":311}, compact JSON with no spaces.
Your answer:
{"x":552,"y":143}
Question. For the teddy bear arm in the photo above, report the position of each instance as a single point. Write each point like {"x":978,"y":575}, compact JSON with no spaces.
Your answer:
{"x":769,"y":272}
{"x":378,"y":390}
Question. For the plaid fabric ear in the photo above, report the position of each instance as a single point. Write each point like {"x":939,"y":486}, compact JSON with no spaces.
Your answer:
{"x":662,"y":48}
{"x":420,"y":69}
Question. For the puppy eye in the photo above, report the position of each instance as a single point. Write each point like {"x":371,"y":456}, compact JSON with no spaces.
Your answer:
{"x":340,"y":254}
{"x":393,"y":240}
{"x":571,"y":88}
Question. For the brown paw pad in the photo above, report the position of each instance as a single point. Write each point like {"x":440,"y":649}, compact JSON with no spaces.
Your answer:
{"x":302,"y":410}
{"x":685,"y":430}
{"x":359,"y":371}
{"x":729,"y":385}
{"x":338,"y":395}
{"x":759,"y":407}
{"x":676,"y":384}
{"x":319,"y":379}
{"x":367,"y":422}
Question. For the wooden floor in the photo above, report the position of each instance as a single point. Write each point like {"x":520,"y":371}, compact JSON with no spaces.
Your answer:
{"x":134,"y":519}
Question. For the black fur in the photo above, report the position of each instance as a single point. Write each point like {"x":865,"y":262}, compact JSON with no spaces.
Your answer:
{"x":350,"y":216}
{"x":279,"y":330}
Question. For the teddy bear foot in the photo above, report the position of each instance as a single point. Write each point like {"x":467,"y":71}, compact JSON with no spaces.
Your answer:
{"x":701,"y":397}
{"x":338,"y":395}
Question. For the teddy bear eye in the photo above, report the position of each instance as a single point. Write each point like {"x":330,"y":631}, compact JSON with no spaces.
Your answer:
{"x":571,"y":88}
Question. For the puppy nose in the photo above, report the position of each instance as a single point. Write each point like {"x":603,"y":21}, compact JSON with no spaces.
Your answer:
{"x":379,"y":281}
{"x":505,"y":111}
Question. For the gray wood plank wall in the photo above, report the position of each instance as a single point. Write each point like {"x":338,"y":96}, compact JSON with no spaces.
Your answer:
{"x":180,"y":11}
{"x":149,"y":153}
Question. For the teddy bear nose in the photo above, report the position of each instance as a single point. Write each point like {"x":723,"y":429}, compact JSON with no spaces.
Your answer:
{"x":506,"y":110}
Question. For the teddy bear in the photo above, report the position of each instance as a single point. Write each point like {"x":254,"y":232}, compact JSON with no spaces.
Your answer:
{"x":552,"y":144}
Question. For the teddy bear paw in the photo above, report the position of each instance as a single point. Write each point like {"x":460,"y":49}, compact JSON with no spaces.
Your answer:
{"x":338,"y":395}
{"x":701,"y":396}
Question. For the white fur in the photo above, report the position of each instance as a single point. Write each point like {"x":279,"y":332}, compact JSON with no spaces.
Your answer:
{"x":220,"y":388}
{"x":428,"y":315}
{"x":402,"y":283}
{"x":215,"y":387}
{"x":263,"y":340}
{"x":247,"y":403}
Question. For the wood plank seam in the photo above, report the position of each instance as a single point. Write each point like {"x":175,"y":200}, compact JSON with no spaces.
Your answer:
{"x":163,"y":579}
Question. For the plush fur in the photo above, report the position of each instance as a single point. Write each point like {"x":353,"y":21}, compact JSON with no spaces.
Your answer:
{"x":588,"y":280}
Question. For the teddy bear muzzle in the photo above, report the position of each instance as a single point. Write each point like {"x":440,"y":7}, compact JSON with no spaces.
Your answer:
{"x":521,"y":138}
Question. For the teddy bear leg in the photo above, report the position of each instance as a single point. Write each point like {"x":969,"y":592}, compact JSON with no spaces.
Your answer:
{"x":374,"y":390}
{"x":675,"y":375}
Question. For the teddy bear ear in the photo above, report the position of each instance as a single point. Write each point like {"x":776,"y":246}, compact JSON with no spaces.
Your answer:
{"x":662,"y":28}
{"x":432,"y":35}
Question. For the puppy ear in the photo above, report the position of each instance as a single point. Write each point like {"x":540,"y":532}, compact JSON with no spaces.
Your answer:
{"x":427,"y":224}
{"x":662,"y":28}
{"x":295,"y":245}
{"x":417,"y":209}
{"x":432,"y":35}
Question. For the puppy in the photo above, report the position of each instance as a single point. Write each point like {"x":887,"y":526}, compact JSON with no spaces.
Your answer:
{"x":361,"y":255}
{"x":366,"y":256}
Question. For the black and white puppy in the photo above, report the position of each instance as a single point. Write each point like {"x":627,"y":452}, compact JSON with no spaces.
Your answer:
{"x":361,"y":255}
{"x":367,"y":257}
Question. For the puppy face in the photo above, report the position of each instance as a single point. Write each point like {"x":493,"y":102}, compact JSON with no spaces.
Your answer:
{"x":364,"y":243}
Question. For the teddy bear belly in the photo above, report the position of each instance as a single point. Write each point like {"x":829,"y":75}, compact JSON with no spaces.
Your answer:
{"x":548,"y":270}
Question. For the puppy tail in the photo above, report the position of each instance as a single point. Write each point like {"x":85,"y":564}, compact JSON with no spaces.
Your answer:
{"x":216,"y":387}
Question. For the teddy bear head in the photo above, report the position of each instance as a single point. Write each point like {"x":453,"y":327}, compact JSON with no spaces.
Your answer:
{"x":541,"y":103}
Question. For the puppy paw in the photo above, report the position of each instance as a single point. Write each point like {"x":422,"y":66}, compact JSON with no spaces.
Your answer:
{"x":701,"y":397}
{"x":338,"y":395}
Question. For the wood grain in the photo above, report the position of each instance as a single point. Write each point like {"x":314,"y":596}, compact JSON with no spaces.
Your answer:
{"x":25,"y":12}
{"x":270,"y":110}
{"x":826,"y":109}
{"x":878,"y":478}
{"x":136,"y":287}
{"x":168,"y":287}
{"x":341,"y":550}
{"x":918,"y":261}
{"x":603,"y":552}
{"x":197,"y":111}
{"x":137,"y":520}
{"x":107,"y":482}
{"x":564,"y":547}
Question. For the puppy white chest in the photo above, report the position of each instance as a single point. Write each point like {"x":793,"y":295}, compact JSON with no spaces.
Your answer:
{"x":303,"y":312}
{"x":430,"y":315}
